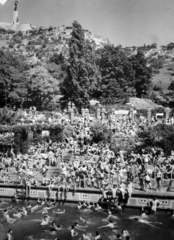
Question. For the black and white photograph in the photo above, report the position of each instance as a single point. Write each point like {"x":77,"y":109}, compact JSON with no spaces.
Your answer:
{"x":86,"y":119}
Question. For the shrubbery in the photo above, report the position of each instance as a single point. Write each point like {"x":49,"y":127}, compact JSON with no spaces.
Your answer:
{"x":160,"y":135}
{"x":21,"y":134}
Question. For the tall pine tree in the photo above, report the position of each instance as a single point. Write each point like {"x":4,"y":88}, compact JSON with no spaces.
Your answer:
{"x":79,"y":84}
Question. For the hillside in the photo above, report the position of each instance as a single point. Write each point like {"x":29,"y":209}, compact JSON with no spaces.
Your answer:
{"x":52,"y":40}
{"x":46,"y":51}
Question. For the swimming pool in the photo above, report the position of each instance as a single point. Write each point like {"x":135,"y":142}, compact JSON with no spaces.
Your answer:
{"x":28,"y":227}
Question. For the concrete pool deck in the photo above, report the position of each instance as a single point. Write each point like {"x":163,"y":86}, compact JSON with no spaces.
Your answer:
{"x":137,"y":199}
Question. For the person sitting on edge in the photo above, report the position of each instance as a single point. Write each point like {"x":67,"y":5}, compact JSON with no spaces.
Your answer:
{"x":80,"y":205}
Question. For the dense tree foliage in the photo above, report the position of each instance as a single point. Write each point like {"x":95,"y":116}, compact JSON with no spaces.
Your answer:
{"x":39,"y":70}
{"x":42,"y":86}
{"x":160,"y":135}
{"x":117,"y":76}
{"x":143,"y":74}
{"x":79,"y":84}
{"x":13,"y":86}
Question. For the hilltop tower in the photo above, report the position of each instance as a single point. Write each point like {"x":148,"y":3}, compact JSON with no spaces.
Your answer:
{"x":15,"y":16}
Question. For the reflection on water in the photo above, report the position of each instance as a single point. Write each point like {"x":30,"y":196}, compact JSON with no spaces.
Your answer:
{"x":159,"y":227}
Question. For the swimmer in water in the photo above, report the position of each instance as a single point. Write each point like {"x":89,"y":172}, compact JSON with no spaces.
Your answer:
{"x":125,"y":234}
{"x":8,"y":218}
{"x":172,"y":215}
{"x":45,"y":209}
{"x":110,"y":225}
{"x":85,"y":237}
{"x":11,"y":207}
{"x":88,"y":205}
{"x":9,"y":235}
{"x":83,"y":220}
{"x":79,"y":227}
{"x":140,"y":220}
{"x":97,"y":207}
{"x":143,"y":214}
{"x":2,"y":202}
{"x":110,"y":217}
{"x":17,"y":214}
{"x":28,"y":206}
{"x":54,"y":228}
{"x":73,"y":232}
{"x":51,"y":204}
{"x":24,"y":211}
{"x":45,"y":221}
{"x":98,"y":236}
{"x":58,"y":211}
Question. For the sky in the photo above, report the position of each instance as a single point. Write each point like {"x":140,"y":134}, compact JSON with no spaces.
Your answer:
{"x":125,"y":22}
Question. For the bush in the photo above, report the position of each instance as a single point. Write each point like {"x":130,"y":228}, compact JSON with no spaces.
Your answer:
{"x":161,"y":136}
{"x":21,"y":134}
{"x":100,"y":132}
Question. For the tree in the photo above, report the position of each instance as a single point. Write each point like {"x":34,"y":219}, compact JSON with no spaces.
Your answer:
{"x":42,"y":87}
{"x":170,"y":46}
{"x":161,"y":136}
{"x":117,"y":76}
{"x":171,"y":86}
{"x":79,"y":83}
{"x":100,"y":132}
{"x":13,"y":87}
{"x":143,"y":74}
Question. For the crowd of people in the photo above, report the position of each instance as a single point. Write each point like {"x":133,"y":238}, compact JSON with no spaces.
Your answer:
{"x":88,"y":165}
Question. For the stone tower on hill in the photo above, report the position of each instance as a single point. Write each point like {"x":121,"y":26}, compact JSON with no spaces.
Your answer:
{"x":15,"y":25}
{"x":15,"y":22}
